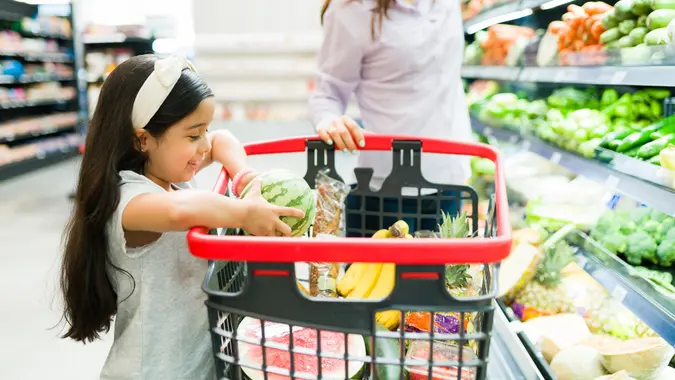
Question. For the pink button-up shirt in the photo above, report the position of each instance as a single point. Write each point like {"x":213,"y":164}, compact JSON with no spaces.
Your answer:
{"x":407,"y":81}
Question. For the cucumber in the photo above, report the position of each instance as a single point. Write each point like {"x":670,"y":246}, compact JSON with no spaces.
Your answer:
{"x":612,"y":136}
{"x":634,"y":140}
{"x":626,"y":26}
{"x":641,"y":7}
{"x":660,"y":18}
{"x":625,"y":42}
{"x":638,"y":34}
{"x":385,"y":348}
{"x":653,"y":148}
{"x":657,"y":37}
{"x":623,"y":9}
{"x":656,"y":160}
{"x":609,"y":20}
{"x":610,"y":35}
{"x":632,"y":152}
{"x":663,"y":4}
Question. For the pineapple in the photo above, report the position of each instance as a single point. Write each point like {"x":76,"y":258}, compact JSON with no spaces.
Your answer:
{"x":546,"y":295}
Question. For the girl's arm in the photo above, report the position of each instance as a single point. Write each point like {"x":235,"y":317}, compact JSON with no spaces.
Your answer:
{"x":229,"y":152}
{"x":346,"y":26}
{"x":181,"y":210}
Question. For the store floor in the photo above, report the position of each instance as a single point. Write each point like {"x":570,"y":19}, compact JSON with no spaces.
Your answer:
{"x":33,"y":211}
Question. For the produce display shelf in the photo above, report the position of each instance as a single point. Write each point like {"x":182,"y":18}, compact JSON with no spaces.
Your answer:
{"x":505,"y":73}
{"x":493,"y":13}
{"x":655,"y":309}
{"x":651,"y":76}
{"x":509,"y":360}
{"x":22,"y":167}
{"x":37,"y":133}
{"x":651,"y":194}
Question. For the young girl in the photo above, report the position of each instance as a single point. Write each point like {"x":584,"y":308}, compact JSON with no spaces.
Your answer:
{"x":126,"y":253}
{"x":401,"y":59}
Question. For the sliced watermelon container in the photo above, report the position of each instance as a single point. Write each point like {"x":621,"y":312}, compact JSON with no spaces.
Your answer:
{"x":264,"y":328}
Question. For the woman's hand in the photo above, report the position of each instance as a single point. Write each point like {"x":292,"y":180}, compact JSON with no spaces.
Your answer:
{"x":344,"y":132}
{"x":262,"y":218}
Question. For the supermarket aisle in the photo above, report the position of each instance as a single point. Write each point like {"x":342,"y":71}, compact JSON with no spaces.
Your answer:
{"x":34,"y":209}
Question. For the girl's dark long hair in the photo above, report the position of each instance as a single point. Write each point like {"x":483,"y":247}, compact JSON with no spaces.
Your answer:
{"x":379,"y":13}
{"x":90,"y":298}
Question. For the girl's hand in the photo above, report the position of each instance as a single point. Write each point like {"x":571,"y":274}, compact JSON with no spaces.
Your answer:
{"x":263,"y":217}
{"x":344,"y":132}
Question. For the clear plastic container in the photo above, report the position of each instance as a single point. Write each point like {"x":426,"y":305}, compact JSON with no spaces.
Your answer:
{"x":419,"y":350}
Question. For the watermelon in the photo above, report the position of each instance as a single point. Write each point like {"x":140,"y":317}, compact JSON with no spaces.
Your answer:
{"x":332,"y":343}
{"x":284,"y":188}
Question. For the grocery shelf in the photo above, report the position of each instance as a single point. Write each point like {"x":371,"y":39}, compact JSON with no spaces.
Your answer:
{"x":505,"y":73}
{"x":36,"y":133}
{"x":31,"y":79}
{"x":651,"y":194}
{"x":34,"y":103}
{"x":653,"y":308}
{"x":15,"y":169}
{"x":651,"y":76}
{"x":39,"y":57}
{"x":657,"y":76}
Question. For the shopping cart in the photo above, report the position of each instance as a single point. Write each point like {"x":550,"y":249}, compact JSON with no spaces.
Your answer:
{"x":253,"y":278}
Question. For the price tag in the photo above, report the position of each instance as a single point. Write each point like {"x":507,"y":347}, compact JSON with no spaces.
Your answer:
{"x":555,"y":158}
{"x":612,"y":182}
{"x":618,"y":77}
{"x":619,"y":293}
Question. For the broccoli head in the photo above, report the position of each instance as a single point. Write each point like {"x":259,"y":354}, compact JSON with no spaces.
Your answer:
{"x":660,"y":217}
{"x":628,"y":227}
{"x":606,"y":222}
{"x":614,"y":241}
{"x":666,"y":252}
{"x":640,"y":215}
{"x":653,"y":228}
{"x":641,"y":246}
{"x":666,"y":226}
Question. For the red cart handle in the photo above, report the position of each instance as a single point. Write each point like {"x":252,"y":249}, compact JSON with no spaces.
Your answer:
{"x":400,"y":251}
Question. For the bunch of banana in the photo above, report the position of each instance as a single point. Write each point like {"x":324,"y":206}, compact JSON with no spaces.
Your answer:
{"x":375,"y":280}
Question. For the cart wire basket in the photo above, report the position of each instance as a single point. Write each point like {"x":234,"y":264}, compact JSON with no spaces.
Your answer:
{"x":263,"y":327}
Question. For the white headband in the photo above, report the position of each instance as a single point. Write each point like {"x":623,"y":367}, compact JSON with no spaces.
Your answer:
{"x":157,"y":87}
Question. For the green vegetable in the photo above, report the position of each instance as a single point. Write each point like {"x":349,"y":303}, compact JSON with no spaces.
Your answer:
{"x":664,"y":280}
{"x":615,"y":136}
{"x":658,"y":93}
{"x":612,"y":45}
{"x":599,"y":132}
{"x":610,"y":35}
{"x":660,"y":18}
{"x":656,"y":160}
{"x":614,"y":241}
{"x":609,"y":96}
{"x":632,"y":152}
{"x":644,"y":110}
{"x":638,"y":34}
{"x":624,"y":111}
{"x":609,"y":20}
{"x":641,"y":247}
{"x":662,"y":4}
{"x":653,"y":148}
{"x":641,"y":7}
{"x":657,"y":37}
{"x":587,"y":148}
{"x":385,"y":348}
{"x":666,"y":250}
{"x":626,"y":26}
{"x":623,"y":9}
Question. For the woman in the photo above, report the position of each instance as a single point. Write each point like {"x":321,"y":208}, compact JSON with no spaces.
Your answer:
{"x":401,"y":59}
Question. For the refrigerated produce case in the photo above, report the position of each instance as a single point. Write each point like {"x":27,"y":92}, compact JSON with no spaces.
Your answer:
{"x":597,"y":111}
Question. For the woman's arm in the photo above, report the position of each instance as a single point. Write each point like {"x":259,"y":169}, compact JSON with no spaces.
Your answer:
{"x":339,"y":72}
{"x":229,"y":152}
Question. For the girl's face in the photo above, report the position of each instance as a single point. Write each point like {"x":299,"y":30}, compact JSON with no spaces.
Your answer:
{"x":178,"y":154}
